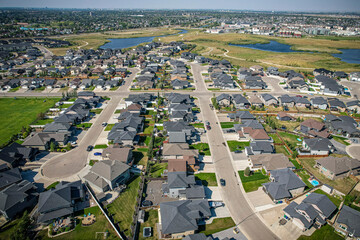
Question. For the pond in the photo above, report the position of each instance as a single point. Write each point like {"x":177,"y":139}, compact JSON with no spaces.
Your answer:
{"x":349,"y":55}
{"x":119,"y":43}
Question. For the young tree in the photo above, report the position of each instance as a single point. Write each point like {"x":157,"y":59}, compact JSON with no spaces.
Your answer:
{"x":247,"y":172}
{"x":52,"y":146}
{"x":22,"y":229}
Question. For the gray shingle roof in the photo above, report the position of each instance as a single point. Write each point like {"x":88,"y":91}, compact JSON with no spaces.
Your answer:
{"x":109,"y":169}
{"x":351,"y":218}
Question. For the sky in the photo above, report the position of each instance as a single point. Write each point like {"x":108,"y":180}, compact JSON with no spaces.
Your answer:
{"x":259,"y":5}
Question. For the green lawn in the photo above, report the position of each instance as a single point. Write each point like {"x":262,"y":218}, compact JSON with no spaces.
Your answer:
{"x":8,"y":229}
{"x":14,"y":89}
{"x":203,"y":148}
{"x":109,"y":127}
{"x":281,"y":149}
{"x":275,"y":138}
{"x":254,"y":181}
{"x":157,"y":169}
{"x":20,"y":112}
{"x":228,"y":124}
{"x":123,"y":208}
{"x":341,"y":140}
{"x":92,"y":162}
{"x":335,"y":200}
{"x":96,"y":111}
{"x":236,"y":145}
{"x":198,"y":125}
{"x":207,"y":179}
{"x":84,"y":125}
{"x":325,"y":233}
{"x":100,"y":146}
{"x":53,"y":185}
{"x":85,"y":233}
{"x":114,"y":88}
{"x":292,"y":138}
{"x":151,"y":218}
{"x":296,"y":164}
{"x":218,"y":225}
{"x":66,"y":105}
{"x":43,"y":121}
{"x":140,"y":156}
{"x":304,"y":177}
{"x":148,"y":129}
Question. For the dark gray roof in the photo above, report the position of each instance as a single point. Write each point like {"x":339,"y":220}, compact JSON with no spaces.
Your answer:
{"x":9,"y":177}
{"x":242,"y":115}
{"x":177,"y":137}
{"x":322,"y":202}
{"x":197,"y":236}
{"x":13,"y":194}
{"x":318,"y":101}
{"x":223,"y":96}
{"x":180,"y":180}
{"x":351,"y":218}
{"x":291,"y":211}
{"x":319,"y":144}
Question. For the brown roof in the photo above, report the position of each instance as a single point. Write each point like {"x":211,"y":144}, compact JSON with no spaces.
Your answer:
{"x":339,"y":165}
{"x":284,"y":114}
{"x":177,"y":165}
{"x":190,"y":160}
{"x":259,"y":134}
{"x":271,"y":161}
{"x":311,"y":123}
{"x":134,"y":106}
{"x":117,"y":153}
{"x":323,"y":134}
{"x":171,"y":149}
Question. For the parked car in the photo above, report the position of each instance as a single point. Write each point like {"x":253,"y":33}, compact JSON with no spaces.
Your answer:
{"x":207,"y":123}
{"x":236,"y":230}
{"x":89,"y":148}
{"x":237,"y":151}
{"x":97,"y":153}
{"x":222,"y":182}
{"x":104,"y":124}
{"x":208,"y":127}
{"x":147,"y":203}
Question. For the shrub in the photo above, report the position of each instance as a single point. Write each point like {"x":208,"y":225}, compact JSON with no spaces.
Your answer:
{"x":247,"y":172}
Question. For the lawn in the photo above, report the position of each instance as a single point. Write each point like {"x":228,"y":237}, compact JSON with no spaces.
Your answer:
{"x":114,"y":88}
{"x":236,"y":145}
{"x":96,"y":111}
{"x":14,"y":89}
{"x":92,"y":162}
{"x":6,"y":230}
{"x":228,"y":124}
{"x":207,"y":179}
{"x":304,"y":177}
{"x":296,"y":164}
{"x":20,"y":112}
{"x":151,"y":218}
{"x":275,"y":137}
{"x":140,"y":156}
{"x":281,"y":149}
{"x":325,"y":233}
{"x":341,"y":140}
{"x":84,"y":125}
{"x":203,"y":148}
{"x":53,"y":185}
{"x":43,"y":121}
{"x":100,"y":146}
{"x":218,"y":225}
{"x":343,"y":185}
{"x":85,"y":233}
{"x":197,"y":125}
{"x":157,"y":169}
{"x":254,"y":181}
{"x":123,"y":208}
{"x":109,"y":127}
{"x":292,"y":138}
{"x":335,"y":200}
{"x":148,"y":129}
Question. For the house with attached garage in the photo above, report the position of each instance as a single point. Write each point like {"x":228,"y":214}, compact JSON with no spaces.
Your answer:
{"x":256,"y":101}
{"x":316,"y":146}
{"x":178,"y":151}
{"x":42,"y":140}
{"x":328,"y":85}
{"x":241,"y":116}
{"x":270,"y":162}
{"x":9,"y":176}
{"x":283,"y":116}
{"x":122,"y":154}
{"x":353,"y":106}
{"x":106,"y":175}
{"x":259,"y":147}
{"x":15,"y":154}
{"x":223,"y":100}
{"x":335,"y":168}
{"x":319,"y":103}
{"x":314,"y":128}
{"x":301,"y":102}
{"x":181,"y":116}
{"x":315,"y":209}
{"x":354,"y":76}
{"x":348,"y":223}
{"x":336,"y":105}
{"x":180,"y":127}
{"x":179,"y":84}
{"x":343,"y":125}
{"x":297,"y":83}
{"x":284,"y":184}
{"x":240,"y":102}
{"x":269,"y":100}
{"x":286,"y":100}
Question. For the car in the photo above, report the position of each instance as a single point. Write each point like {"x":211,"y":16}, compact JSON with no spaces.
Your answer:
{"x":104,"y":124}
{"x":73,"y":143}
{"x":147,"y":203}
{"x":147,"y":232}
{"x":89,"y":148}
{"x":97,"y":153}
{"x":298,"y":95}
{"x":237,"y":151}
{"x":208,"y":127}
{"x":222,"y":182}
{"x":236,"y":230}
{"x":207,"y":123}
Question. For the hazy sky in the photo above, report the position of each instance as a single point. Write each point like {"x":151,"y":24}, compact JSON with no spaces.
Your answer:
{"x":271,"y":5}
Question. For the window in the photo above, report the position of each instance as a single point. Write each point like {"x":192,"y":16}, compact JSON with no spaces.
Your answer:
{"x":342,"y":227}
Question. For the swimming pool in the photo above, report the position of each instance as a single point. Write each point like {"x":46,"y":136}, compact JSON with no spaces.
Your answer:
{"x":314,"y":182}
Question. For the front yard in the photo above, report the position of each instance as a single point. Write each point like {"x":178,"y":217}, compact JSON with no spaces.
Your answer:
{"x":236,"y":145}
{"x":228,"y":124}
{"x":254,"y":181}
{"x":203,"y":148}
{"x":325,"y":233}
{"x":207,"y":179}
{"x":218,"y":225}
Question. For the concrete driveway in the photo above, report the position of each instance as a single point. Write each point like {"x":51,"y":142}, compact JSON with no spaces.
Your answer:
{"x":340,"y":148}
{"x":213,"y":193}
{"x":259,"y":198}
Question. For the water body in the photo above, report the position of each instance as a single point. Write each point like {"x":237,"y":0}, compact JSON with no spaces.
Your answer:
{"x":119,"y":43}
{"x":349,"y":55}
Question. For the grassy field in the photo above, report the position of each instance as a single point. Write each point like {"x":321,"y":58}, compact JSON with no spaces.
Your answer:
{"x":254,"y":181}
{"x":335,"y":200}
{"x":218,"y":225}
{"x":109,"y":127}
{"x":325,"y":233}
{"x":343,"y":185}
{"x":84,"y":233}
{"x":123,"y":207}
{"x":292,"y":138}
{"x":20,"y":112}
{"x":43,"y":121}
{"x":151,"y":218}
{"x":207,"y":179}
{"x":236,"y":145}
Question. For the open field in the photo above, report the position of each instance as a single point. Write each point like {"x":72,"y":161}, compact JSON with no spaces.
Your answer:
{"x":217,"y":44}
{"x":20,"y":112}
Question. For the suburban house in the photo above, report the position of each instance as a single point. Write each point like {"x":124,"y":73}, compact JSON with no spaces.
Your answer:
{"x":107,"y":175}
{"x":335,"y":168}
{"x":316,"y":146}
{"x":62,"y":201}
{"x":15,"y":154}
{"x":319,"y":103}
{"x":186,"y":164}
{"x":122,"y":154}
{"x":343,"y":125}
{"x":42,"y":140}
{"x":314,"y":128}
{"x":348,"y":223}
{"x":270,"y":162}
{"x":284,"y":185}
{"x":336,"y":105}
{"x":328,"y":85}
{"x":286,"y":100}
{"x":17,"y":197}
{"x":197,"y":236}
{"x":223,"y":100}
{"x":254,"y":134}
{"x":354,"y":76}
{"x":283,"y":116}
{"x":269,"y":100}
{"x":180,"y":218}
{"x":256,"y":101}
{"x":179,"y":84}
{"x":241,"y":116}
{"x":353,"y":106}
{"x":183,"y":186}
{"x":9,"y":176}
{"x":179,"y":127}
{"x":178,"y":151}
{"x":314,"y":209}
{"x":240,"y":102}
{"x":259,"y":147}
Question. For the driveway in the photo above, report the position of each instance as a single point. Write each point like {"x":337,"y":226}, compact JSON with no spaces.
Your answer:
{"x":340,"y":148}
{"x":213,"y":193}
{"x":259,"y":198}
{"x":228,"y":233}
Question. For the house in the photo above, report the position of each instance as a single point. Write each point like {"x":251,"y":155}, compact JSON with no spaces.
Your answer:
{"x":286,"y":100}
{"x":336,"y":105}
{"x":107,"y":175}
{"x":122,"y":154}
{"x":254,"y":134}
{"x":241,"y":116}
{"x":15,"y":154}
{"x":314,"y":209}
{"x":270,"y":162}
{"x":342,"y":125}
{"x":259,"y":147}
{"x":256,"y":101}
{"x":184,"y":116}
{"x":316,"y":146}
{"x":42,"y":140}
{"x":335,"y":168}
{"x":354,"y":76}
{"x":17,"y":197}
{"x":197,"y":236}
{"x":86,"y":94}
{"x":297,"y":83}
{"x":353,"y":106}
{"x":180,"y":218}
{"x":256,"y":68}
{"x":269,"y":100}
{"x":179,"y":84}
{"x":328,"y":85}
{"x":301,"y":102}
{"x":178,"y":151}
{"x":183,"y":186}
{"x":314,"y":128}
{"x":64,"y":200}
{"x":319,"y":103}
{"x":283,"y":116}
{"x":9,"y":176}
{"x":179,"y":127}
{"x":240,"y":102}
{"x":348,"y":223}
{"x":186,"y":164}
{"x":223,"y":100}
{"x":284,"y":184}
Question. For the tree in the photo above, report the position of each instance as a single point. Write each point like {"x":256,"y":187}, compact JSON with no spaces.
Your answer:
{"x":52,"y":146}
{"x":68,"y":146}
{"x":22,"y":229}
{"x":247,"y":172}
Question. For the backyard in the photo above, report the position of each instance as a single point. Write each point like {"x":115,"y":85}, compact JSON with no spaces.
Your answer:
{"x":151,"y":218}
{"x":157,"y":169}
{"x":236,"y":145}
{"x":254,"y":181}
{"x":20,"y":112}
{"x":207,"y":179}
{"x":325,"y":233}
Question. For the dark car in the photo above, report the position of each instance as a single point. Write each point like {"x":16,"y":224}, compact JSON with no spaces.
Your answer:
{"x":222,"y":182}
{"x":97,"y":153}
{"x":208,"y":127}
{"x":147,"y":203}
{"x":237,"y":151}
{"x":89,"y":148}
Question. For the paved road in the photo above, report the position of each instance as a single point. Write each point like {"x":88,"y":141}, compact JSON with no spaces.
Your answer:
{"x":353,"y":150}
